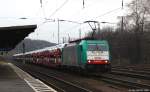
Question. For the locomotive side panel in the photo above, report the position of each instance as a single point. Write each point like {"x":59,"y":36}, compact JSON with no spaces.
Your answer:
{"x":71,"y":56}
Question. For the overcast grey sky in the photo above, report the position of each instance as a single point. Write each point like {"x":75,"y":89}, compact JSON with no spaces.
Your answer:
{"x":12,"y":10}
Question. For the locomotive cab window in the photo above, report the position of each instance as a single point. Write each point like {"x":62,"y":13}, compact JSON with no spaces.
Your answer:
{"x":97,"y":47}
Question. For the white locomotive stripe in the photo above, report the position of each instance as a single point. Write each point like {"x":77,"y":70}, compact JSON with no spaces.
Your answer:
{"x":35,"y":84}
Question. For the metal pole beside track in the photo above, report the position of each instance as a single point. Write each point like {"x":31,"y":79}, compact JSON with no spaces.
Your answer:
{"x":58,"y":31}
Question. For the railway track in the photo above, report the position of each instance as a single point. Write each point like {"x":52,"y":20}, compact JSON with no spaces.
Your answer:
{"x":133,"y":71}
{"x":57,"y":83}
{"x":137,"y":68}
{"x":119,"y":78}
{"x":124,"y":81}
{"x":127,"y":78}
{"x":65,"y":86}
{"x":130,"y":73}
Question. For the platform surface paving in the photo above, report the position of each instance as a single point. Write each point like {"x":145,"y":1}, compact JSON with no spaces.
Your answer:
{"x":12,"y":81}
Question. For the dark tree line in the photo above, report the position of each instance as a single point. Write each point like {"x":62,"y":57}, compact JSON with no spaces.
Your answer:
{"x":123,"y":46}
{"x":132,"y":44}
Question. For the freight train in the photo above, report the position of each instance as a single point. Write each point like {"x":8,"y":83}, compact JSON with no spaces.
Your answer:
{"x":84,"y":55}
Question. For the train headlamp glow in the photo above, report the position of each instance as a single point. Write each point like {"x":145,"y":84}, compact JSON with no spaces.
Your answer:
{"x":89,"y":61}
{"x":106,"y":61}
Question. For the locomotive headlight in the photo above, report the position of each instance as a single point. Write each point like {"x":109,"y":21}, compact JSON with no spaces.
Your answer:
{"x":106,"y":61}
{"x":89,"y":61}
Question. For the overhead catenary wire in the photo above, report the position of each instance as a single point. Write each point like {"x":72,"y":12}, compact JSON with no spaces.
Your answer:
{"x":59,"y":8}
{"x":65,"y":2}
{"x":106,"y":13}
{"x":99,"y":16}
{"x":41,"y":10}
{"x":93,"y":18}
{"x":83,"y":8}
{"x":83,"y":3}
{"x":111,"y":11}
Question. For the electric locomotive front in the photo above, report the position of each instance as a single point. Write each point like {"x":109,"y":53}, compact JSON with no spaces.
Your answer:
{"x":96,"y":55}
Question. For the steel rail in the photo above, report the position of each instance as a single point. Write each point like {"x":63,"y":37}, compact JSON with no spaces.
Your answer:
{"x":129,"y":74}
{"x":132,"y":71}
{"x":123,"y":82}
{"x":70,"y":87}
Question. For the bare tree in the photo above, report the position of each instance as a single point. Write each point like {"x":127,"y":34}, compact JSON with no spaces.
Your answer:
{"x":139,"y":10}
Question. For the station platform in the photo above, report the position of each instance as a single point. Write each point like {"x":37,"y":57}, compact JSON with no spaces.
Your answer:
{"x":13,"y":79}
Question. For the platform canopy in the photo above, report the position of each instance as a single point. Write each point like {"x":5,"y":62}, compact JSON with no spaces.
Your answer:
{"x":11,"y":36}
